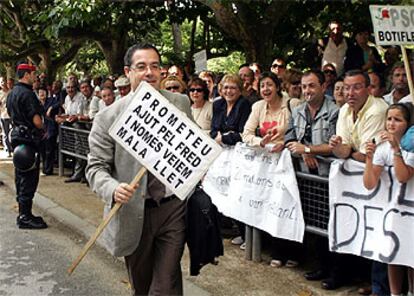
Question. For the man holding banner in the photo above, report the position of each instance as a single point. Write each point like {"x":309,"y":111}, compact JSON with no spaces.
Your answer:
{"x":149,"y":230}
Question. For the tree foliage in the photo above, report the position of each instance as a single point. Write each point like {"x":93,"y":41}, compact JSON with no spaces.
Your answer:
{"x":22,"y":35}
{"x":52,"y":32}
{"x":112,"y":25}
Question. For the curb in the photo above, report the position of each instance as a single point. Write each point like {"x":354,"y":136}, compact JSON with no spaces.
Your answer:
{"x":57,"y":212}
{"x":84,"y":228}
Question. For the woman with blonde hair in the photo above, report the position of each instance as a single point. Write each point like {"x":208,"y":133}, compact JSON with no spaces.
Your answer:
{"x":230,"y":114}
{"x":173,"y":84}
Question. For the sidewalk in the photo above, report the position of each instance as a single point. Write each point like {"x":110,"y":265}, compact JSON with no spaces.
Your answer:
{"x":76,"y":206}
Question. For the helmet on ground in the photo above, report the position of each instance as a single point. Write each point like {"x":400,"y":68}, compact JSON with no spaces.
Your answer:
{"x":24,"y":158}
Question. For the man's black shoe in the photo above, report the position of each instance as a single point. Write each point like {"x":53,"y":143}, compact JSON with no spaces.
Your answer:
{"x":70,"y":180}
{"x":331,"y":284}
{"x":315,"y":275}
{"x":25,"y":221}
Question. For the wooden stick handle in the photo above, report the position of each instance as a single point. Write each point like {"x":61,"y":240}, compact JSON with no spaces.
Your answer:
{"x":408,"y":71}
{"x":103,"y":224}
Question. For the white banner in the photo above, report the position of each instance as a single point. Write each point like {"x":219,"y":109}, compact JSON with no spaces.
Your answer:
{"x":164,"y":140}
{"x":376,"y":224}
{"x":259,"y":189}
{"x":217,"y":180}
{"x":200,"y":61}
{"x":393,"y":25}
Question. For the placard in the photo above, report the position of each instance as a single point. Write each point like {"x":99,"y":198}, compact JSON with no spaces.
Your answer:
{"x":259,"y":189}
{"x":393,"y":25}
{"x":376,"y":224}
{"x":164,"y":140}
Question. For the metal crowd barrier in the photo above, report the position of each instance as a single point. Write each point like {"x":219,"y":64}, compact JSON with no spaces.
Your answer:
{"x":72,"y":142}
{"x":314,"y":196}
{"x":314,"y":190}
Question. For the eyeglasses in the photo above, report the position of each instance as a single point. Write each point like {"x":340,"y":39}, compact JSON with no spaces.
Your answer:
{"x":274,"y":66}
{"x":174,"y":87}
{"x":357,"y":87}
{"x":195,"y":90}
{"x":143,"y":67}
{"x":332,"y":72}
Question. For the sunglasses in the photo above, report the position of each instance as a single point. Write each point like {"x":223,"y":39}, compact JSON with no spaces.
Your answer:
{"x":175,"y":87}
{"x":195,"y":90}
{"x":329,"y":72}
{"x":274,"y":66}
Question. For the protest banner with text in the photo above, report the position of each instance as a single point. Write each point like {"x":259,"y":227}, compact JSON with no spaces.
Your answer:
{"x":376,"y":224}
{"x":217,"y":180}
{"x":393,"y":25}
{"x":168,"y":144}
{"x":257,"y":188}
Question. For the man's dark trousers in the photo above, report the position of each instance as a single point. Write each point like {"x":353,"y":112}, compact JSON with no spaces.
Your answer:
{"x":154,"y":267}
{"x":26,"y":184}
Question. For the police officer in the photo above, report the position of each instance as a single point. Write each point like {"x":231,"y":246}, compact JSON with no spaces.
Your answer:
{"x":26,"y":114}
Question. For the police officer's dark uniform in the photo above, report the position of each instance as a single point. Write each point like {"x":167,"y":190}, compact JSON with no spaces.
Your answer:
{"x":23,"y":105}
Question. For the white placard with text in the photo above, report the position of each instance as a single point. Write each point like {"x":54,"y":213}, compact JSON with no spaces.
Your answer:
{"x":376,"y":224}
{"x":259,"y":189}
{"x":164,"y":140}
{"x":393,"y":25}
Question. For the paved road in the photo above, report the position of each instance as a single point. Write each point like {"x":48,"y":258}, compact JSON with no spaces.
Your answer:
{"x":34,"y":262}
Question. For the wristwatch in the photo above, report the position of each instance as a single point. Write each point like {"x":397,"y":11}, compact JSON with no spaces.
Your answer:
{"x":307,"y":150}
{"x":398,"y":154}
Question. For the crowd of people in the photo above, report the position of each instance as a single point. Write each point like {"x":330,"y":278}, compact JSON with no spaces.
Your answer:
{"x":357,"y":106}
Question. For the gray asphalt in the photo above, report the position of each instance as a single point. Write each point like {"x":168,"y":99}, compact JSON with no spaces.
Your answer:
{"x":35,"y":262}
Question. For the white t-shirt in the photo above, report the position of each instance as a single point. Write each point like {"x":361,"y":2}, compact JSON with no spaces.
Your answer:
{"x":384,"y":156}
{"x":389,"y":98}
{"x":73,"y":106}
{"x":94,"y":106}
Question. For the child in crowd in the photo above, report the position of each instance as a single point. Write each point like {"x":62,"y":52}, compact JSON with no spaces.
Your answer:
{"x":389,"y":153}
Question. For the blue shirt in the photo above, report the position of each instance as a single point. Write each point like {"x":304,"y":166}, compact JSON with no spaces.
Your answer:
{"x":230,"y":126}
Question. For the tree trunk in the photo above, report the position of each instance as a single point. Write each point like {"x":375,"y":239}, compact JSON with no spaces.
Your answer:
{"x":114,"y":52}
{"x":46,"y":65}
{"x":178,"y":41}
{"x":261,"y":50}
{"x":253,"y":31}
{"x":192,"y":45}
